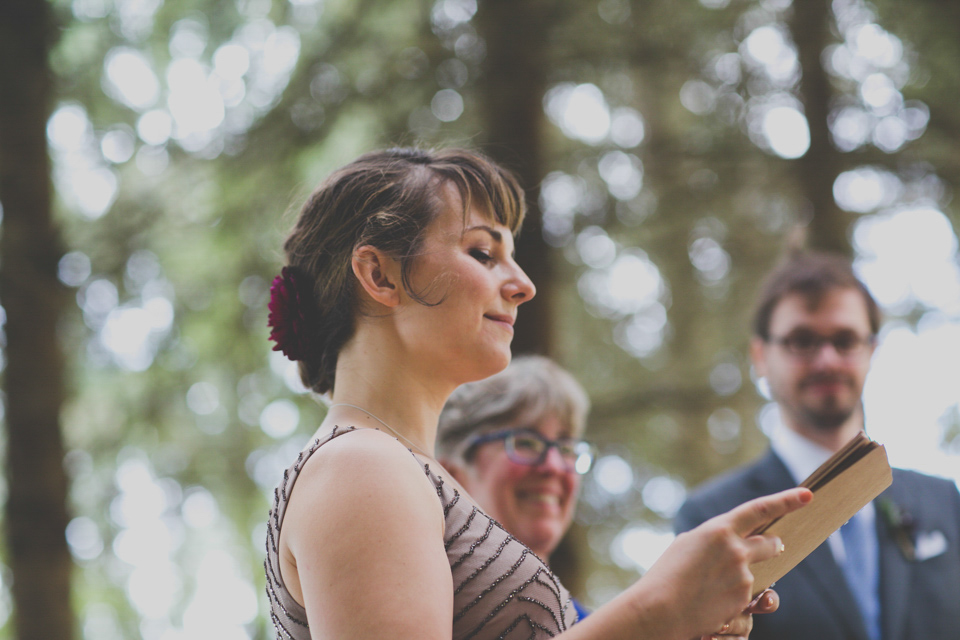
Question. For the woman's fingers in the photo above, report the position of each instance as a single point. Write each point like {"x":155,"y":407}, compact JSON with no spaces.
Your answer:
{"x":766,"y":602}
{"x":738,"y":627}
{"x":749,"y":516}
{"x":761,"y":548}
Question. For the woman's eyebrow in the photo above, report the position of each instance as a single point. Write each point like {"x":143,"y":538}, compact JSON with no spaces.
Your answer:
{"x":496,"y":235}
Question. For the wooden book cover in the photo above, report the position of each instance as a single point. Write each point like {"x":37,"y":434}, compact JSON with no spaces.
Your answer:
{"x":841,"y":486}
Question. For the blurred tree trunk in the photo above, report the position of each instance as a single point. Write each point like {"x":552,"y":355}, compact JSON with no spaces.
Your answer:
{"x":36,"y":513}
{"x":511,"y":89}
{"x":819,"y":167}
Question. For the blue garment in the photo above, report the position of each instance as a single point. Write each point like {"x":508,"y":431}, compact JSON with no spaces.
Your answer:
{"x":581,"y":611}
{"x":861,"y":570}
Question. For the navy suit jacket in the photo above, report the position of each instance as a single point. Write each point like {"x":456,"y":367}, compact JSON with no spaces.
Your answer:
{"x":919,"y":600}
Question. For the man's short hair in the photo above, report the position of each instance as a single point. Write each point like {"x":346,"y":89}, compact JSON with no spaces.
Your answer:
{"x":811,"y":275}
{"x":530,"y":389}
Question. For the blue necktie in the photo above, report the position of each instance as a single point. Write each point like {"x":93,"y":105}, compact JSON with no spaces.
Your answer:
{"x":861,"y":571}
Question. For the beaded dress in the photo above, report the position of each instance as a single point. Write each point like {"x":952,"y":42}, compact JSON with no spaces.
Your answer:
{"x":502,"y":589}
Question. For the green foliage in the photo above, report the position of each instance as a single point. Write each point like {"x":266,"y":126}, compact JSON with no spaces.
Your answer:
{"x":200,"y":229}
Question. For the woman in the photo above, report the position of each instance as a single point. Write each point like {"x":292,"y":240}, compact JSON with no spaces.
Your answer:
{"x":513,"y":441}
{"x":401,"y":285}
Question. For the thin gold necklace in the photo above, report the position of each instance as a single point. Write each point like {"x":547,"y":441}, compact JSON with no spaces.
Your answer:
{"x":389,"y":428}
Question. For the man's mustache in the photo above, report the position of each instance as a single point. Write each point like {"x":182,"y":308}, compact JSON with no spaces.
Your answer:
{"x":826,"y":378}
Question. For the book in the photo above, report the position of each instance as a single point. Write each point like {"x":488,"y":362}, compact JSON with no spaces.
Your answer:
{"x":844,"y":484}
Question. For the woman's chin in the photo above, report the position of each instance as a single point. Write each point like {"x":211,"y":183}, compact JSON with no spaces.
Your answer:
{"x":491,"y":363}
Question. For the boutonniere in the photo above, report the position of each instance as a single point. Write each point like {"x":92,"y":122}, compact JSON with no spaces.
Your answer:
{"x":901,"y":525}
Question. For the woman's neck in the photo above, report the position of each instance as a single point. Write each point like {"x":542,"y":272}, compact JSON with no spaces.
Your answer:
{"x":390,"y":387}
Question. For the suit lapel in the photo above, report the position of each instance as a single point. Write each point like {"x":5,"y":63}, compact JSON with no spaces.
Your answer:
{"x":819,"y":568}
{"x":894,"y":571}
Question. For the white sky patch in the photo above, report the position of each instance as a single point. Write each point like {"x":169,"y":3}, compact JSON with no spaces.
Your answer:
{"x":630,"y":284}
{"x":129,"y":78}
{"x":638,"y":547}
{"x":561,"y":196}
{"x":92,"y":190}
{"x":910,"y":254}
{"x":118,"y":144}
{"x":288,"y":371}
{"x":623,"y":174}
{"x":581,"y":111}
{"x":195,"y":102}
{"x":280,"y":418}
{"x":132,"y":332}
{"x":448,"y":14}
{"x":69,"y":129}
{"x":866,"y":189}
{"x":82,"y":177}
{"x":698,"y":97}
{"x":851,"y":127}
{"x":908,"y":257}
{"x":664,"y":495}
{"x":155,"y":127}
{"x":914,"y":380}
{"x":767,"y":48}
{"x":203,"y":398}
{"x":224,"y":600}
{"x":231,"y":61}
{"x":879,"y":93}
{"x":873,"y":43}
{"x":447,"y":105}
{"x":596,"y":248}
{"x":613,"y":474}
{"x":786,"y":131}
{"x":627,"y":129}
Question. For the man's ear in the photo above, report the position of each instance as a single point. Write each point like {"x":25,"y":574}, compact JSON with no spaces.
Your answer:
{"x":378,"y":274}
{"x":758,"y":355}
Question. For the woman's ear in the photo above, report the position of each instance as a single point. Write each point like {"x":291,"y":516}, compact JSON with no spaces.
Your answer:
{"x":378,"y":274}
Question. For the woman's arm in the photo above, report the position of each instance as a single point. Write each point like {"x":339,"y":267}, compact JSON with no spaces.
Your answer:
{"x":364,"y":535}
{"x":701,"y":582}
{"x":363,"y":541}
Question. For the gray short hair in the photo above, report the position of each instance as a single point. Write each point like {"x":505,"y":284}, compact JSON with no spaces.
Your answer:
{"x":530,"y":389}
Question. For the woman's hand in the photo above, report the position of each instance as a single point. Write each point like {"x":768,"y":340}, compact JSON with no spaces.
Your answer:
{"x":703,"y":580}
{"x":739,"y":628}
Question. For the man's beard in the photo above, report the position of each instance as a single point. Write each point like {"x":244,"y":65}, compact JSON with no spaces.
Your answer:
{"x":826,"y":420}
{"x":832,"y":414}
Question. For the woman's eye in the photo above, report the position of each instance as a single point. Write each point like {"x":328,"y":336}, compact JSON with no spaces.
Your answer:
{"x":481,"y":255}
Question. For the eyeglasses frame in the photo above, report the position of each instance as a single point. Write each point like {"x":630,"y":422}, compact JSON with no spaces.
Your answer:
{"x":818,"y":344}
{"x":504,"y":434}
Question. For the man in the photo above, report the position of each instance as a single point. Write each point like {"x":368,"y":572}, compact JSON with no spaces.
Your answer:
{"x":893,"y":571}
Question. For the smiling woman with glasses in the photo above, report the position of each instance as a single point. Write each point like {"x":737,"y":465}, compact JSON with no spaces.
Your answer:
{"x":513,"y":441}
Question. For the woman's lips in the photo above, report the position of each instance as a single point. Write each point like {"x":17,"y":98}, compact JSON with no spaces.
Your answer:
{"x":504,"y":321}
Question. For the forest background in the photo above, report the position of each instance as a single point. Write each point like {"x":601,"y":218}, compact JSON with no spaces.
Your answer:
{"x":152,"y":154}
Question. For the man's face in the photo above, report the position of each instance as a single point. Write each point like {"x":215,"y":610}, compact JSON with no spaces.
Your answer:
{"x":817,"y":358}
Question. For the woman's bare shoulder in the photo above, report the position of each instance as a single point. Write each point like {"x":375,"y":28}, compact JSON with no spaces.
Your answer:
{"x":365,"y":474}
{"x":365,"y":491}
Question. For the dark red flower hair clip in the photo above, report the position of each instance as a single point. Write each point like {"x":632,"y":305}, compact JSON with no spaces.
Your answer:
{"x":293,"y":314}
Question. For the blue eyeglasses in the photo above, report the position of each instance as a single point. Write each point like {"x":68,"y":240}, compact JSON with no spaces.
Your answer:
{"x":525,"y":446}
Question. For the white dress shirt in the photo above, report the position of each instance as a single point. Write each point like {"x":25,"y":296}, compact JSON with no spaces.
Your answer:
{"x":802,"y":457}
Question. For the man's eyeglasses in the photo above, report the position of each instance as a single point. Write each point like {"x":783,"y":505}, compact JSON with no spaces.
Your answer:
{"x":806,"y":344}
{"x":525,"y":446}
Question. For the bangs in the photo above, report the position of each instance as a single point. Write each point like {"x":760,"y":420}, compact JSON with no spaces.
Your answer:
{"x":483,"y":185}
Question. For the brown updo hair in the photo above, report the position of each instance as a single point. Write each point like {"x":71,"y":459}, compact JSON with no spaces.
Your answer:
{"x":385,"y":199}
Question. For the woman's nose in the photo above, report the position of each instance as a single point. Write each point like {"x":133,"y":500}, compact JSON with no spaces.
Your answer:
{"x":519,"y":288}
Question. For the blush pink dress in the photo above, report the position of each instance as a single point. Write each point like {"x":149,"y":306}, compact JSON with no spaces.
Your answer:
{"x":502,"y":590}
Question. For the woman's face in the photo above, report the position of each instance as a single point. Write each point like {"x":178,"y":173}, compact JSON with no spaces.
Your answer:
{"x":468,"y":265}
{"x":533,"y":502}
